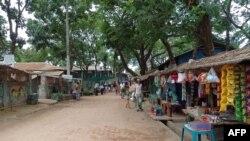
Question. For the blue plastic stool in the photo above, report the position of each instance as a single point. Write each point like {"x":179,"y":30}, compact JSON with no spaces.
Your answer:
{"x":197,"y":133}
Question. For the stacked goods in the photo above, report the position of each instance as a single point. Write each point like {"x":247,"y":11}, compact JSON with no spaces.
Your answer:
{"x":247,"y":109}
{"x":239,"y":81}
{"x":230,"y":85}
{"x":223,"y":97}
{"x":218,"y":94}
{"x":207,"y":88}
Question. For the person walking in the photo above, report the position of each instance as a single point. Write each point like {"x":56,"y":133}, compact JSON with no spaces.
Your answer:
{"x":102,"y":88}
{"x":78,"y":91}
{"x":131,"y":95}
{"x":117,"y":88}
{"x":96,"y":87}
{"x":138,"y":95}
{"x":122,"y":90}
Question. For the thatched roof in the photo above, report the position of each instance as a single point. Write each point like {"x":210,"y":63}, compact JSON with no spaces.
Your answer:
{"x":230,"y":57}
{"x":147,"y":75}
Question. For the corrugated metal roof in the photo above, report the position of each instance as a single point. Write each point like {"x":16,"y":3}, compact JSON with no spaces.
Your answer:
{"x":4,"y":66}
{"x":37,"y":66}
{"x":53,"y":73}
{"x":91,"y":68}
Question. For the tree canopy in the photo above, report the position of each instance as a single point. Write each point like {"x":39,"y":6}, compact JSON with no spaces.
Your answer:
{"x":121,"y":33}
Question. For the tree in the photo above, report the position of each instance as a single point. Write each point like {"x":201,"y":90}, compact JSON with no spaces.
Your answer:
{"x":237,"y":14}
{"x":15,"y":21}
{"x":118,"y":33}
{"x":48,"y":27}
{"x":33,"y":55}
{"x":136,"y":26}
{"x":203,"y":32}
{"x":3,"y":30}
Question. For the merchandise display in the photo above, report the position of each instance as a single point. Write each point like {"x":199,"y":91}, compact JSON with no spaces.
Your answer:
{"x":223,"y":97}
{"x":239,"y":75}
{"x":247,"y":94}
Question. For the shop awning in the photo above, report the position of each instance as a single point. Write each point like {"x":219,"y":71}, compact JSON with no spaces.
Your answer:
{"x":230,"y":57}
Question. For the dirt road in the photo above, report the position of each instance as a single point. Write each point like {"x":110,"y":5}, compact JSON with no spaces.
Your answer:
{"x":94,"y":118}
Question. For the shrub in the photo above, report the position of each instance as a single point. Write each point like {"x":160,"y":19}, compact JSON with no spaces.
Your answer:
{"x":57,"y":96}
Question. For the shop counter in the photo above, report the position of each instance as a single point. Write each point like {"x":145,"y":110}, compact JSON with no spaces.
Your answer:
{"x":217,"y":126}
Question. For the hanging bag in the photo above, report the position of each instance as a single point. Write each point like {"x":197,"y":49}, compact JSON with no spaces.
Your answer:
{"x":169,"y":79}
{"x":181,"y":77}
{"x":212,"y":76}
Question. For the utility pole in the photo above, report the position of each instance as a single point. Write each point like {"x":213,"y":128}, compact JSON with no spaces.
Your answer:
{"x":67,"y":38}
{"x":68,"y":76}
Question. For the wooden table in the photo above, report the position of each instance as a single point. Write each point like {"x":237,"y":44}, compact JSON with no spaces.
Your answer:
{"x":173,"y":105}
{"x":189,"y":113}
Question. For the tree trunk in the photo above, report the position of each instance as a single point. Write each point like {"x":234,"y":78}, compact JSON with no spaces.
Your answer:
{"x":14,"y":30}
{"x":228,"y":13}
{"x":12,"y":35}
{"x":169,"y":51}
{"x":206,"y":32}
{"x":198,"y":43}
{"x":125,"y":64}
{"x":143,"y":61}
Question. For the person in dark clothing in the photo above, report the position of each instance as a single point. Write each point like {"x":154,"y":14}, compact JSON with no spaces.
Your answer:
{"x":102,"y":88}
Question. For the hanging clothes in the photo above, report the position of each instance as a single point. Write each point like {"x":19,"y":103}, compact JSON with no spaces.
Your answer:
{"x":172,"y":92}
{"x":184,"y":92}
{"x":164,"y":90}
{"x":201,"y":90}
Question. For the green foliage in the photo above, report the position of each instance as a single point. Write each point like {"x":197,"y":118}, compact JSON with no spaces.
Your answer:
{"x":131,"y":29}
{"x":58,"y":96}
{"x":48,"y":29}
{"x":87,"y":91}
{"x":33,"y":55}
{"x":16,"y":21}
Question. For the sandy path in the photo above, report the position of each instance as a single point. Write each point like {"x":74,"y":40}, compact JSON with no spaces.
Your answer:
{"x":94,"y":118}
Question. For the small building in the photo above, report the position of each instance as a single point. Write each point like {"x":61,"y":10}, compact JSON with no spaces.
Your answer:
{"x":152,"y":79}
{"x":14,"y":86}
{"x":46,"y":78}
{"x":92,"y":75}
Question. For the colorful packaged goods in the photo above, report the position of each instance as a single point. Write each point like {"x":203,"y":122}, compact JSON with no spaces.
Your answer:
{"x":200,"y":125}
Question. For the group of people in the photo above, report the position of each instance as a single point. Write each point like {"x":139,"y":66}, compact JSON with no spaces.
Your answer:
{"x":132,"y":93}
{"x":102,"y":87}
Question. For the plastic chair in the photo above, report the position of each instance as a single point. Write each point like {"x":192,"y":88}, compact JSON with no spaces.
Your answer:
{"x":196,"y":134}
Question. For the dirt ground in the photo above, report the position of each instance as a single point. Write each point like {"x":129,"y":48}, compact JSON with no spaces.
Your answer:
{"x":93,"y":118}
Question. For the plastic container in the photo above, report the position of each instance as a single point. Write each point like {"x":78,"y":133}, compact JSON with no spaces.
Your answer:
{"x":32,"y":99}
{"x":158,"y":112}
{"x":199,"y":125}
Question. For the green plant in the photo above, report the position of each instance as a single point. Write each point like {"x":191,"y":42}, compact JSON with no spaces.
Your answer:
{"x":87,"y":91}
{"x":57,"y":96}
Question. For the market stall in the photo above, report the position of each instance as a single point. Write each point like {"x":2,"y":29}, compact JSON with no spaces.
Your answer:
{"x":223,"y":90}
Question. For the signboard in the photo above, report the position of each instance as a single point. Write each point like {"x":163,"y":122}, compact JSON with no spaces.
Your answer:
{"x":68,"y":77}
{"x":9,"y":59}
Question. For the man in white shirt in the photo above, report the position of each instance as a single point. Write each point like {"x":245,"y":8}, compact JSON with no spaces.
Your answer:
{"x":96,"y":89}
{"x":121,"y":87}
{"x":138,"y":95}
